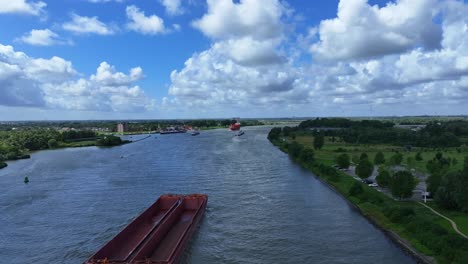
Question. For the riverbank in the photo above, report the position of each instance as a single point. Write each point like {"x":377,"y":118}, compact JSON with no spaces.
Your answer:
{"x":415,"y":228}
{"x":108,"y":141}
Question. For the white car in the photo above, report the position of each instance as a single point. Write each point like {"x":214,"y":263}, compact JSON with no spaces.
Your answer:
{"x":374,"y":185}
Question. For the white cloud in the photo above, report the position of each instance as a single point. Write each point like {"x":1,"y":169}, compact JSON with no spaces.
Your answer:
{"x":87,"y":25}
{"x":243,"y":65}
{"x":22,"y":7}
{"x":250,"y":52}
{"x":138,"y":22}
{"x":52,"y":83}
{"x":392,"y":59}
{"x":173,"y":7}
{"x":41,"y":37}
{"x":107,"y":75}
{"x":257,"y":19}
{"x":363,"y":31}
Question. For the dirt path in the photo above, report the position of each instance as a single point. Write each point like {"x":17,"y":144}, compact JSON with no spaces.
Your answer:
{"x":454,"y":225}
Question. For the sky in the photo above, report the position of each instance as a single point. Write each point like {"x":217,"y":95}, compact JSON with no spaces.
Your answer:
{"x":166,"y":59}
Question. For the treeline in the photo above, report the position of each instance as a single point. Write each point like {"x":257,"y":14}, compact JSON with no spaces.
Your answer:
{"x":434,"y":135}
{"x":109,"y":141}
{"x":343,"y":123}
{"x":17,"y":143}
{"x":76,"y":134}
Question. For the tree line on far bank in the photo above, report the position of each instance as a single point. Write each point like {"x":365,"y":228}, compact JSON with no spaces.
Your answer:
{"x":17,"y":143}
{"x":432,"y":135}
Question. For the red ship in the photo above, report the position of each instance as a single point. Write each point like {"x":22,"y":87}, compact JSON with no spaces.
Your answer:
{"x":158,"y":235}
{"x":235,"y":125}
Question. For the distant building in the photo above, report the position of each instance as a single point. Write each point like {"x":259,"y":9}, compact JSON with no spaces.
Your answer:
{"x":122,"y":127}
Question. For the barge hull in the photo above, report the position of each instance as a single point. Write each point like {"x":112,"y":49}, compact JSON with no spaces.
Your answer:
{"x":158,"y":235}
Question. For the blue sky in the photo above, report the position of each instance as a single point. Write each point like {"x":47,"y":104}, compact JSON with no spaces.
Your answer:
{"x":108,"y":59}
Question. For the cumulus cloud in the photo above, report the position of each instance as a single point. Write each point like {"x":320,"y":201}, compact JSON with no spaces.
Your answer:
{"x":243,"y":66}
{"x":42,"y":37}
{"x":53,"y":83}
{"x":137,"y":21}
{"x":87,"y":25}
{"x":226,"y":19}
{"x":369,"y":57}
{"x":34,"y":8}
{"x":107,"y":75}
{"x":173,"y":7}
{"x":362,"y":31}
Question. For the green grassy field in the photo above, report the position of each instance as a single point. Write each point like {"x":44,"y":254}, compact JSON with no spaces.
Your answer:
{"x":376,"y":211}
{"x":461,"y":219}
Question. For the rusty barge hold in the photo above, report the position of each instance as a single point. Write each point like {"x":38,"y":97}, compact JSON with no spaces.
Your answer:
{"x":158,"y":235}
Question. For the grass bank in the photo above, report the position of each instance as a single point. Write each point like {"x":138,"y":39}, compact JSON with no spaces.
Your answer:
{"x":427,"y":236}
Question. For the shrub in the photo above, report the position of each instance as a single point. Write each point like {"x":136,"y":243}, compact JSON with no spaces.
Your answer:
{"x":343,"y":160}
{"x":364,"y":169}
{"x":379,"y":158}
{"x":383,"y":178}
{"x":356,"y":189}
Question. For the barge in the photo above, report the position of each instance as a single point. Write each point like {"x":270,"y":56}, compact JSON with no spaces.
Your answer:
{"x":158,"y":235}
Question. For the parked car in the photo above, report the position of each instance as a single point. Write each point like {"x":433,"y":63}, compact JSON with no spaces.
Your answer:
{"x":374,"y":185}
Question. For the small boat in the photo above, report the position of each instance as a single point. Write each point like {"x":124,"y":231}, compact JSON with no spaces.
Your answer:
{"x":195,"y":133}
{"x":158,"y":235}
{"x":240,"y":133}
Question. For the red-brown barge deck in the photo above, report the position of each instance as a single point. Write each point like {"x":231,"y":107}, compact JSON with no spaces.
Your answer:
{"x":158,"y":235}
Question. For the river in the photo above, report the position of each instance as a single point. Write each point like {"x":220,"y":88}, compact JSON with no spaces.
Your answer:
{"x":262,"y":207}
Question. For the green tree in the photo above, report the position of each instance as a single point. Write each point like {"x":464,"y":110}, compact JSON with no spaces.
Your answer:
{"x":286,"y":131}
{"x":364,"y":169}
{"x":445,"y":194}
{"x":461,"y":190}
{"x":418,"y":156}
{"x":52,"y":143}
{"x":363,"y":156}
{"x":410,"y":161}
{"x":383,"y":178}
{"x":379,"y":158}
{"x":343,"y":160}
{"x":319,"y":140}
{"x":108,"y":141}
{"x":294,"y":150}
{"x":356,"y":189}
{"x":306,"y":156}
{"x":402,"y":184}
{"x":396,"y":159}
{"x":437,"y":167}
{"x":465,"y":165}
{"x":274,"y":133}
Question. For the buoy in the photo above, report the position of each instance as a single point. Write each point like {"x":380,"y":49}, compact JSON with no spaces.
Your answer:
{"x":26,"y":179}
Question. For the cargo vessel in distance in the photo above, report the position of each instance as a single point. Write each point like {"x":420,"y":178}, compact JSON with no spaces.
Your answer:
{"x":158,"y":235}
{"x":235,"y":124}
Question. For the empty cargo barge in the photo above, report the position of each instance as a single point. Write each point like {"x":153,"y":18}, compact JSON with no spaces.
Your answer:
{"x":158,"y":235}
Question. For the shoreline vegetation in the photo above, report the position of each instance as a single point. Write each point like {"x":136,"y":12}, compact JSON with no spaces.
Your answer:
{"x":317,"y":144}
